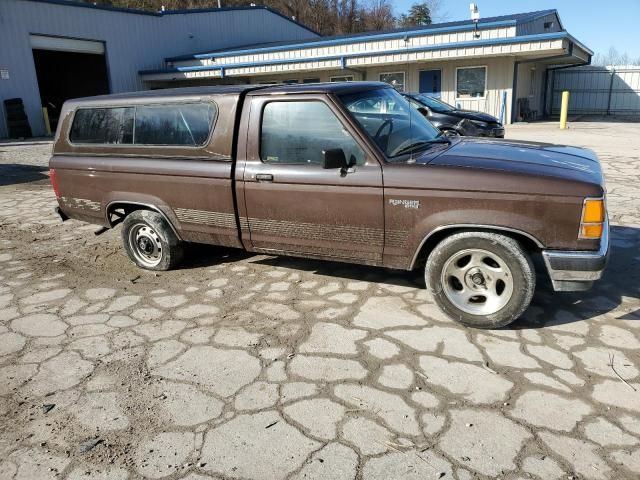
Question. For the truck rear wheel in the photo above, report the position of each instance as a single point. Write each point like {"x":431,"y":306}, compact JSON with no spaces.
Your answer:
{"x":150,"y":242}
{"x":481,"y":279}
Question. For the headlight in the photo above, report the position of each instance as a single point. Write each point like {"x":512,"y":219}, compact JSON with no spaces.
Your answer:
{"x":592,"y":220}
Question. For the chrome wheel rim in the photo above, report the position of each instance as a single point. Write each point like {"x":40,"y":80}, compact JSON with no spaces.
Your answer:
{"x":477,"y":281}
{"x":145,"y":245}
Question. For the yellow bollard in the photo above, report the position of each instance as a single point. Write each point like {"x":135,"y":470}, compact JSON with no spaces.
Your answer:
{"x":47,"y":124}
{"x":564,"y":110}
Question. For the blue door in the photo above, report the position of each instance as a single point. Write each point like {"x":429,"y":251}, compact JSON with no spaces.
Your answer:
{"x":430,"y":82}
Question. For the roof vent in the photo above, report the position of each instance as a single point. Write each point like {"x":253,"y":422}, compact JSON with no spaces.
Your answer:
{"x":475,"y":13}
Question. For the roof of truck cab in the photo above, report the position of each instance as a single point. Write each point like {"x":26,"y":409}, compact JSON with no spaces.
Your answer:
{"x":191,"y":93}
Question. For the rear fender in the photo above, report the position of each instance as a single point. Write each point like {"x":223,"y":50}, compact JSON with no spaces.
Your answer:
{"x":143,"y":201}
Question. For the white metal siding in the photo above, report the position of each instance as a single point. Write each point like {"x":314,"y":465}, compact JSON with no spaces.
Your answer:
{"x":373,"y":46}
{"x":133,"y":41}
{"x":537,"y":48}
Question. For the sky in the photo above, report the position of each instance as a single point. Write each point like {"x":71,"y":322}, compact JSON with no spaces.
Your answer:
{"x":597,"y":24}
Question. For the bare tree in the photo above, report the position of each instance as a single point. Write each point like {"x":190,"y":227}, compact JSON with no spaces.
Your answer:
{"x":624,"y":59}
{"x":613,"y":57}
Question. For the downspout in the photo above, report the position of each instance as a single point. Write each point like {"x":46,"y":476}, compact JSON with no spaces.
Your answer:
{"x":343,"y":66}
{"x":553,"y":70}
{"x":514,"y":89}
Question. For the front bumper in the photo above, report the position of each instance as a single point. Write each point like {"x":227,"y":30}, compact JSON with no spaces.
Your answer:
{"x":573,"y":271}
{"x":467,"y":128}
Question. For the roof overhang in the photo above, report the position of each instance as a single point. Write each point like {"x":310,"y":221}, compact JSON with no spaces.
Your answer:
{"x":538,"y":45}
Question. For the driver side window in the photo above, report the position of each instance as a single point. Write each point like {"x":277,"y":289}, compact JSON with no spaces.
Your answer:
{"x":299,"y":132}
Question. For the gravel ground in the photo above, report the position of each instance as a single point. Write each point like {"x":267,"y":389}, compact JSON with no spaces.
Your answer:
{"x":258,"y":367}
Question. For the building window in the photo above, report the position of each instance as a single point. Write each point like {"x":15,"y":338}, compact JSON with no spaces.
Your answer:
{"x":344,"y":78}
{"x":395,"y":79}
{"x":311,"y":80}
{"x":290,"y":82}
{"x":548,"y":26}
{"x":300,"y":133}
{"x":471,"y":82}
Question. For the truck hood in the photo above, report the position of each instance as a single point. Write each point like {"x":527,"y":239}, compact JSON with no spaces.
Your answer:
{"x":575,"y":163}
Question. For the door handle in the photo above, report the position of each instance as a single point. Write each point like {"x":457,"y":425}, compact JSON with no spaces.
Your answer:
{"x":264,"y":177}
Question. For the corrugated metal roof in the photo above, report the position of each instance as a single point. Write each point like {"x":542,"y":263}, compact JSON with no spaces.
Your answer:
{"x":79,"y":4}
{"x":512,"y":19}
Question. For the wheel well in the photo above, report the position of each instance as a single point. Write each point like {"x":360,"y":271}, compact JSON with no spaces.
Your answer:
{"x":529,"y":245}
{"x":120,"y":210}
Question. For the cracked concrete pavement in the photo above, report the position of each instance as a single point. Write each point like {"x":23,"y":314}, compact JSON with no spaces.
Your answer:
{"x":246,"y":366}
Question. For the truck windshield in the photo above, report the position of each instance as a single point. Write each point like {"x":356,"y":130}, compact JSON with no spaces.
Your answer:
{"x":397,"y":128}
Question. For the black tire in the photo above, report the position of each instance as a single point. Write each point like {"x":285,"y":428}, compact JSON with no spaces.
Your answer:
{"x":150,"y":242}
{"x":516,"y":265}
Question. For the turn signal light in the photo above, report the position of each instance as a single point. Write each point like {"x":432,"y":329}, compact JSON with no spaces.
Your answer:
{"x":593,"y":210}
{"x":593,"y":217}
{"x":591,"y":231}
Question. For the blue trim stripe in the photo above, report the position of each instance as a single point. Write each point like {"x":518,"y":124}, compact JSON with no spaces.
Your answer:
{"x":444,"y":46}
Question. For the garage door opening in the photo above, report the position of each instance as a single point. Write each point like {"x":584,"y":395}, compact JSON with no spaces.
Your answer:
{"x":67,"y":69}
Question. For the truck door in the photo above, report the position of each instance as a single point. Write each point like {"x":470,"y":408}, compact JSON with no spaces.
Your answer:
{"x":288,"y":202}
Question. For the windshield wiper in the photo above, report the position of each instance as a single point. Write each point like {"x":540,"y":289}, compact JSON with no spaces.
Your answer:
{"x":423,"y":143}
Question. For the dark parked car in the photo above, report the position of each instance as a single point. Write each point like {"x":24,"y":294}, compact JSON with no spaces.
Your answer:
{"x":339,"y":171}
{"x":450,"y":119}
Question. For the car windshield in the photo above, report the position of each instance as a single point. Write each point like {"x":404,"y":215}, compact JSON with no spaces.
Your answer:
{"x":433,"y":103}
{"x":397,"y":128}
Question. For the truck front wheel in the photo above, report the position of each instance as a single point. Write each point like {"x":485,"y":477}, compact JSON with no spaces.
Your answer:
{"x":150,"y":242}
{"x":481,"y":279}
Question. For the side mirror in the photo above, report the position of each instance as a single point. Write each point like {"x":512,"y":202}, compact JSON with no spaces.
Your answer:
{"x":424,"y":111}
{"x":335,"y":158}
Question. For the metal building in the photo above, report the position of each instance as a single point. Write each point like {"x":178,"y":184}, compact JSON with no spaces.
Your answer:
{"x":498,"y":65}
{"x":52,"y":50}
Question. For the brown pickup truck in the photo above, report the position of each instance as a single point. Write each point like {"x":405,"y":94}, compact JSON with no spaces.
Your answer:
{"x":343,"y":172}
